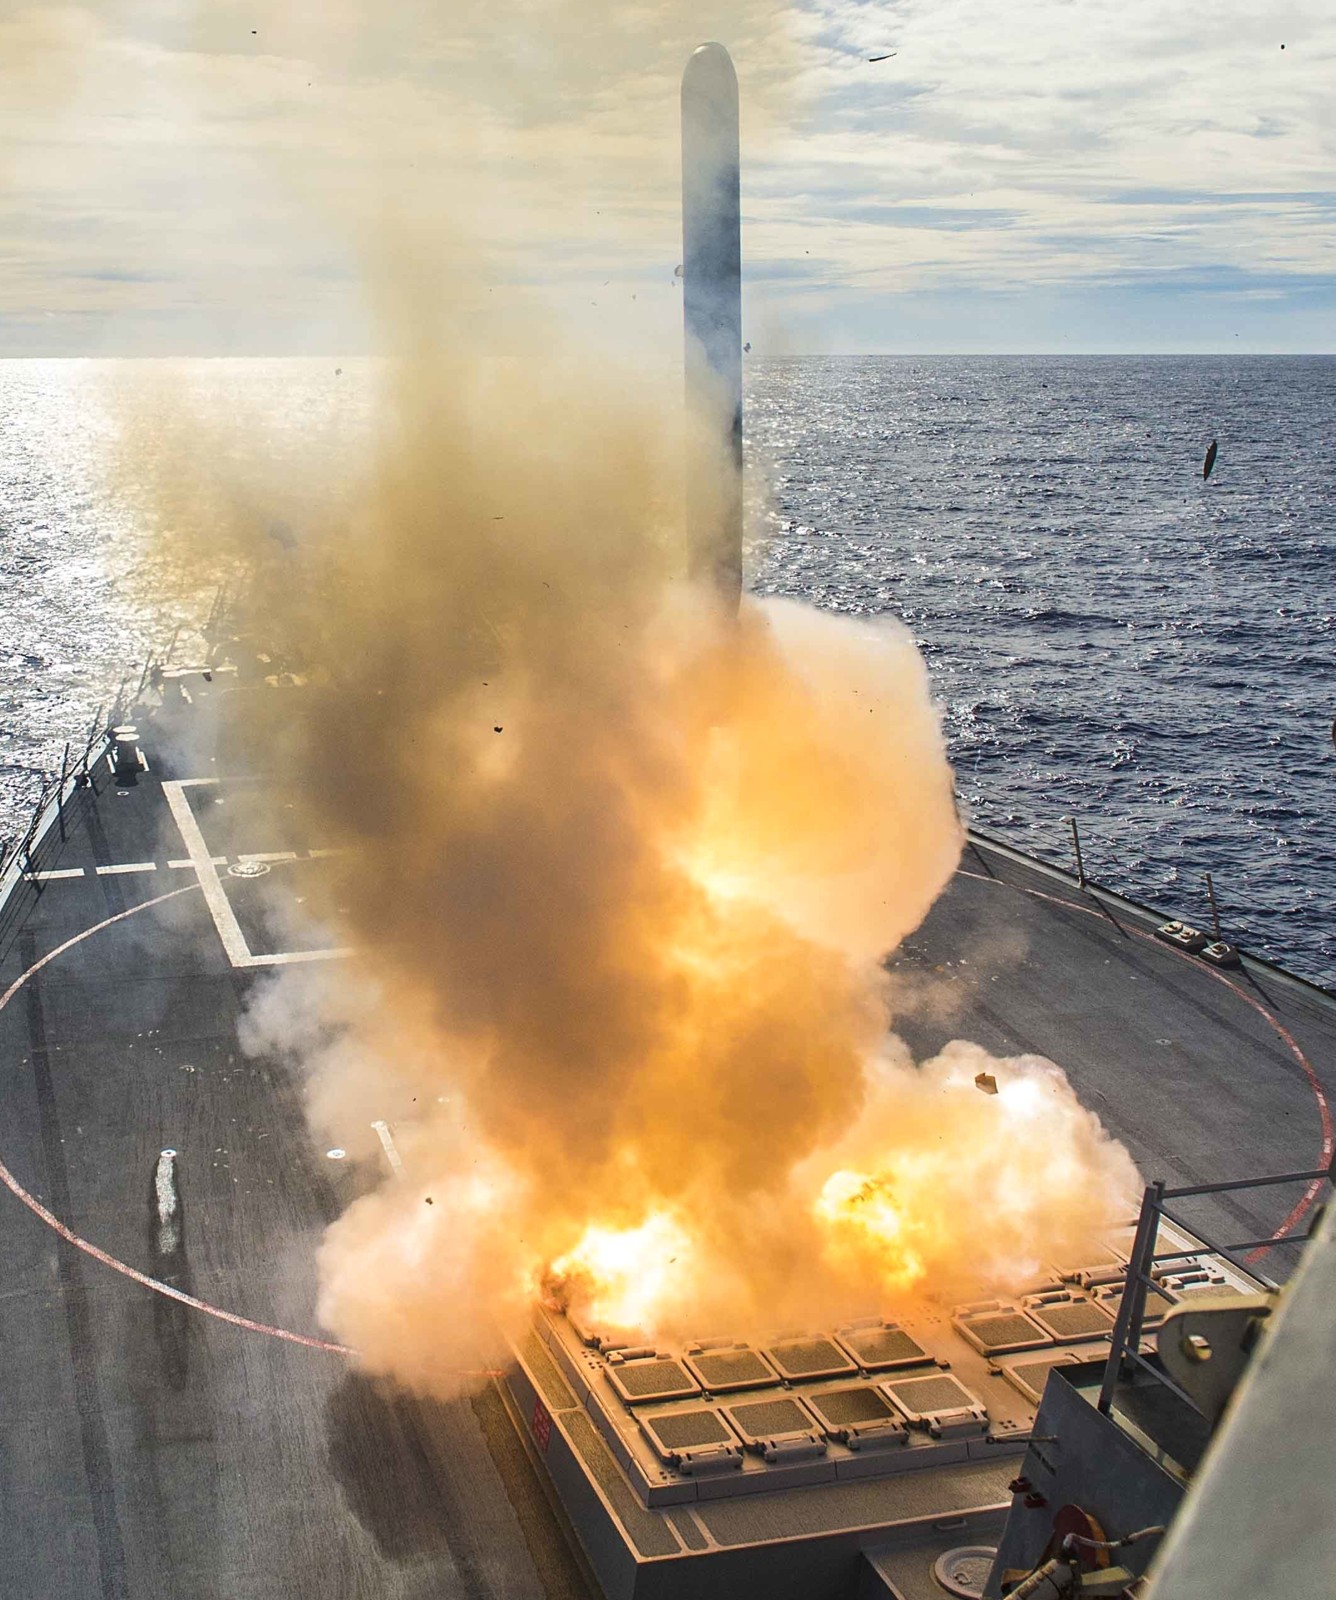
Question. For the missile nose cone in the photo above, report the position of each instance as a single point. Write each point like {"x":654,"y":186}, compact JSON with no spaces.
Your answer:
{"x":710,"y":63}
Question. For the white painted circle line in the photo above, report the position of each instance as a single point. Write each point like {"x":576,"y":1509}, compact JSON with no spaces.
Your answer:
{"x":57,"y":1226}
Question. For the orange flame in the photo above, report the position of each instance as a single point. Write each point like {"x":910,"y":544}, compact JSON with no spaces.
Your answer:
{"x":624,"y":1278}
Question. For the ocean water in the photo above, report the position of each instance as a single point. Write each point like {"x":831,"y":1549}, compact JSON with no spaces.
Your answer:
{"x":1111,"y":637}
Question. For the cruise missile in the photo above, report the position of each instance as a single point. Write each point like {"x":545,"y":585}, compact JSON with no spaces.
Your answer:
{"x":712,"y":302}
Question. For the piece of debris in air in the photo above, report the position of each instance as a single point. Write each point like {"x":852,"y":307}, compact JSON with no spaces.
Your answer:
{"x":1209,"y":462}
{"x":886,"y":57}
{"x":746,"y":349}
{"x":986,"y":1082}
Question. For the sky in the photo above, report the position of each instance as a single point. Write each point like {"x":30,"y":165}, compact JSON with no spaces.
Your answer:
{"x":1040,"y":175}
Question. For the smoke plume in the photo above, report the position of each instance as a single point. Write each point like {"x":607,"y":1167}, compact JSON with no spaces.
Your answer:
{"x":618,"y":873}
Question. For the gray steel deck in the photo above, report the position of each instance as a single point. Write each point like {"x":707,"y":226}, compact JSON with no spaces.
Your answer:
{"x":151,"y":1449}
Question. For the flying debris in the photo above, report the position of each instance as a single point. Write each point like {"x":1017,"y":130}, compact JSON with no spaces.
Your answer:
{"x":886,"y":57}
{"x":1210,"y":460}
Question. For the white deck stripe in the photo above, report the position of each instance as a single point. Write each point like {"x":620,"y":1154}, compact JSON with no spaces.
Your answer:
{"x":269,"y":855}
{"x":284,"y":958}
{"x":215,"y":897}
{"x":392,"y":1155}
{"x":218,"y":861}
{"x":224,"y":919}
{"x":127,"y":866}
{"x":54,"y":873}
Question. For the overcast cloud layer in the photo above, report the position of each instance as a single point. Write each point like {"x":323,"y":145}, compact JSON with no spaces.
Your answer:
{"x":1046,"y":174}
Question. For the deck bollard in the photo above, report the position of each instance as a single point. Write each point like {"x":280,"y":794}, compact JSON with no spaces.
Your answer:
{"x":127,"y":753}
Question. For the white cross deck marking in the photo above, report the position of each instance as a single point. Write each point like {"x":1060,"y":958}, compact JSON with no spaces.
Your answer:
{"x":177,"y":863}
{"x":239,"y":953}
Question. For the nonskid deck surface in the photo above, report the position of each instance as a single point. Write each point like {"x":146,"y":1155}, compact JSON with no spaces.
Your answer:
{"x":1205,"y":1075}
{"x":153,"y":1449}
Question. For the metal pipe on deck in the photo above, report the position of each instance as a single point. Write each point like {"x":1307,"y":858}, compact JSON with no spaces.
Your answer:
{"x":712,"y":309}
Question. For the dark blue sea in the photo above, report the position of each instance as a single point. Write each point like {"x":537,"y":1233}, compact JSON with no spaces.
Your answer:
{"x":1111,"y":637}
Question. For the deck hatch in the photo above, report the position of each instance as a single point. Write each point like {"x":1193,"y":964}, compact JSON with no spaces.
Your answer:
{"x":799,"y":1359}
{"x":1157,"y":1304}
{"x":1071,"y":1318}
{"x":652,"y":1378}
{"x":1029,"y":1377}
{"x":687,"y":1430}
{"x":732,"y":1367}
{"x":998,"y":1329}
{"x":859,"y":1416}
{"x":694,"y":1440}
{"x":941,"y":1404}
{"x":882,"y":1347}
{"x":781,"y":1429}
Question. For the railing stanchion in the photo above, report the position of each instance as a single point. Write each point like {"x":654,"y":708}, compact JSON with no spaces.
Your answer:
{"x":1132,"y":1307}
{"x":60,"y":793}
{"x":1076,"y":845}
{"x":1215,"y":909}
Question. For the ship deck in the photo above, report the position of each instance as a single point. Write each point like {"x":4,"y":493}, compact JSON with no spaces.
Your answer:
{"x":222,"y":1448}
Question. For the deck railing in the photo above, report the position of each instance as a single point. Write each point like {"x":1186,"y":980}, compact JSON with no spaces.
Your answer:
{"x":61,"y":799}
{"x":1127,"y":1330}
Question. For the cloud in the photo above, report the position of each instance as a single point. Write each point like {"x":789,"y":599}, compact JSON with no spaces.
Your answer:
{"x":1058,"y":143}
{"x":1049,"y":143}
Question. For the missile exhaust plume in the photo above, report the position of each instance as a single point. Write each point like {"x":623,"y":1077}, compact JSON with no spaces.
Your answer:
{"x":618,"y":873}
